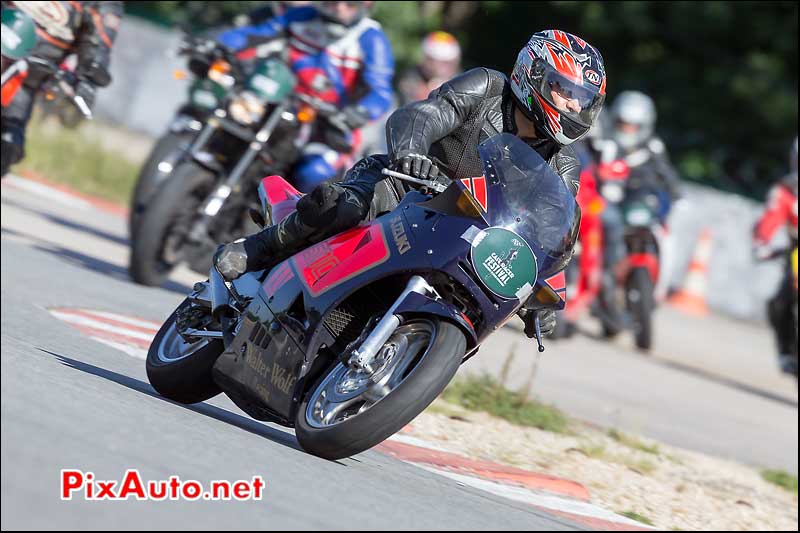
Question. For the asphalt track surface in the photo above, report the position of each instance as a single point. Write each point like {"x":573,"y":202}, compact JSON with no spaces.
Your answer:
{"x":69,"y":402}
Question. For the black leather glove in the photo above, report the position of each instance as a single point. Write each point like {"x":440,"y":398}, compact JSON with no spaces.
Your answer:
{"x":547,"y":321}
{"x":349,"y":118}
{"x":339,"y":135}
{"x":231,"y":260}
{"x":416,"y":165}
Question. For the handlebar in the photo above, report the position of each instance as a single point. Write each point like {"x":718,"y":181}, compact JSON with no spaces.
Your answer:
{"x":65,"y":81}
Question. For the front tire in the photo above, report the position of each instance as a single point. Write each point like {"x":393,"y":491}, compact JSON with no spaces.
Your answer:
{"x":169,"y":148}
{"x":354,"y":424}
{"x":179,"y":370}
{"x":176,"y":201}
{"x":641,"y":302}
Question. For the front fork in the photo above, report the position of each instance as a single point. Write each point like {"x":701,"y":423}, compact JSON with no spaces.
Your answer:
{"x":363,"y":356}
{"x":217,"y":198}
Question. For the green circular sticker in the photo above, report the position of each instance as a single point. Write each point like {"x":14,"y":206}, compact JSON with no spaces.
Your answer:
{"x":504,"y":262}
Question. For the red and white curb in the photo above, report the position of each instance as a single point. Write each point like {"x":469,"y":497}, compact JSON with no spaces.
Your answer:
{"x":557,"y":496}
{"x":127,"y":334}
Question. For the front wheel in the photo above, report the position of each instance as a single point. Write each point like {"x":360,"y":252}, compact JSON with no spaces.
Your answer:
{"x":161,"y":240}
{"x":180,"y":370}
{"x":641,"y":304}
{"x":166,"y":153}
{"x":349,"y":411}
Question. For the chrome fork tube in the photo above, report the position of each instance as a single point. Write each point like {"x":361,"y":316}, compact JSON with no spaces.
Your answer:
{"x":363,"y":356}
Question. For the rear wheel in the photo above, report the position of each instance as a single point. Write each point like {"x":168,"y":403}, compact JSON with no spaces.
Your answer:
{"x":180,"y":370}
{"x":161,"y":241}
{"x":349,"y":411}
{"x":641,"y":302}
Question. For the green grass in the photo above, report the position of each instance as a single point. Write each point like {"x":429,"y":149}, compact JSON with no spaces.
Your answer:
{"x":590,"y":449}
{"x":636,"y":516}
{"x":780,"y":478}
{"x":73,"y":158}
{"x":633,"y":442}
{"x":488,"y":395}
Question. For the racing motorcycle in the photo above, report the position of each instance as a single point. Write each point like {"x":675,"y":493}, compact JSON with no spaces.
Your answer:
{"x":643,"y":205}
{"x":641,"y":268}
{"x":206,"y":93}
{"x":585,"y":272}
{"x":260,"y":128}
{"x":348,"y":340}
{"x":18,"y":40}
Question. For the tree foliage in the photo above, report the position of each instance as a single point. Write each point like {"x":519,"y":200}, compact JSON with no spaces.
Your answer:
{"x":723,"y":74}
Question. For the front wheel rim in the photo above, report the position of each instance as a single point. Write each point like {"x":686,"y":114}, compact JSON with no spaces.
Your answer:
{"x":345,"y":392}
{"x":173,"y":348}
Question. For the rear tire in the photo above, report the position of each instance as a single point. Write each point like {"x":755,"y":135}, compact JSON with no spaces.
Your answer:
{"x":186,"y":379}
{"x":641,"y":303}
{"x":178,"y":196}
{"x":425,"y":381}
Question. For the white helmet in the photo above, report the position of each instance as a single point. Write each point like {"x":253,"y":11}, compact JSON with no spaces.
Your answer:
{"x":634,"y":116}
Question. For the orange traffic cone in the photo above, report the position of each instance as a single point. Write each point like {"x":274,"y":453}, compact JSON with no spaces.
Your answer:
{"x":692,"y":298}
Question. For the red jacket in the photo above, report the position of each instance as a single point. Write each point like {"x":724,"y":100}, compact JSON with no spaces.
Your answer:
{"x":781,"y":210}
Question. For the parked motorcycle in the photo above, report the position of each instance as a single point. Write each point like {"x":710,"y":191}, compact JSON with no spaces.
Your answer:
{"x":348,"y":340}
{"x":259,"y":129}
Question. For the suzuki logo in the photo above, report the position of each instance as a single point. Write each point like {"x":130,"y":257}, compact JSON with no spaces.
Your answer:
{"x":399,"y":234}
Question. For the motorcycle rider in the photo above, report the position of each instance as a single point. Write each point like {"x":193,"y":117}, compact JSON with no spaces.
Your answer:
{"x":552,"y":98}
{"x":340,"y":56}
{"x":781,"y":211}
{"x":441,"y":60}
{"x":87,"y":29}
{"x":633,"y":121}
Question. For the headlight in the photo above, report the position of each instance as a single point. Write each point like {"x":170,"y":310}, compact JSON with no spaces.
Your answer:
{"x":613,"y":192}
{"x":638,"y":216}
{"x":204,"y":98}
{"x":246,"y":108}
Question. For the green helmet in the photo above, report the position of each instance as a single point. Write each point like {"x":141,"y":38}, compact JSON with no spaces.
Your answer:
{"x":18,"y":34}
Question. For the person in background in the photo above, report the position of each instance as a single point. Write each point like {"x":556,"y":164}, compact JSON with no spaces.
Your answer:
{"x":632,"y":122}
{"x":781,"y":212}
{"x":87,"y":29}
{"x":340,"y":56}
{"x":441,"y":61}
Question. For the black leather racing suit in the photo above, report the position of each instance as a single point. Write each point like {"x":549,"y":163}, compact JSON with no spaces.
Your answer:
{"x":87,"y":29}
{"x":448,"y":127}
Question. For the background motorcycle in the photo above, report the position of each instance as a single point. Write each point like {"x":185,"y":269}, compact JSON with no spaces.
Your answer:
{"x":348,"y":340}
{"x":585,"y":272}
{"x":206,"y":94}
{"x":18,"y":40}
{"x":259,"y":129}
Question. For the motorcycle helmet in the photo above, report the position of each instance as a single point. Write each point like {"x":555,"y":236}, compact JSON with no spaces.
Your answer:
{"x":559,"y":83}
{"x":340,"y":17}
{"x":634,"y":116}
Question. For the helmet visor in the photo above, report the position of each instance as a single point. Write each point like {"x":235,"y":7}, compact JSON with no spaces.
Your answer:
{"x":579,"y":102}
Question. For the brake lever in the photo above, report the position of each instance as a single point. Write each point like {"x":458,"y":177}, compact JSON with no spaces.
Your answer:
{"x":433,"y":185}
